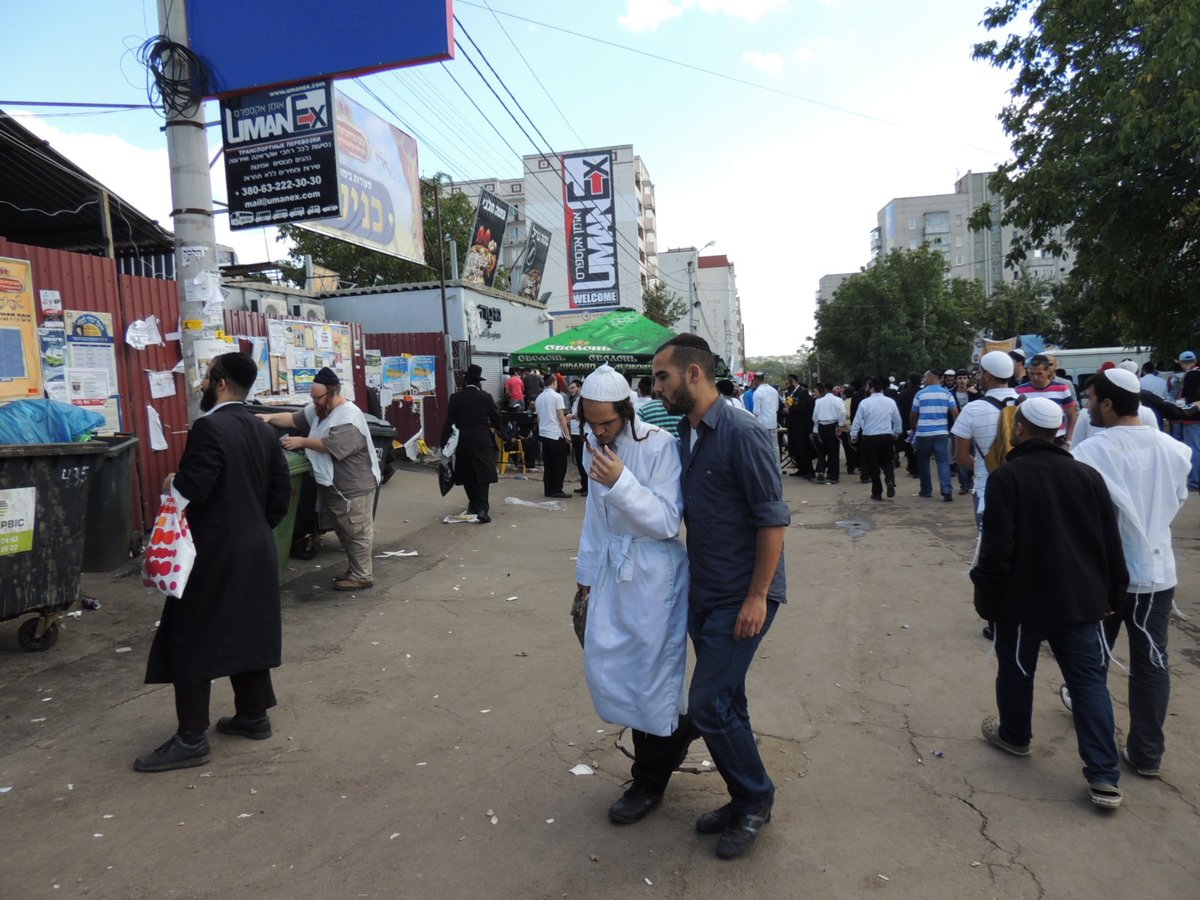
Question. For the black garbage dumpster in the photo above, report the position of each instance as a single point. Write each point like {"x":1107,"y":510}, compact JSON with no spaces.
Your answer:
{"x":43,"y":509}
{"x":109,"y":533}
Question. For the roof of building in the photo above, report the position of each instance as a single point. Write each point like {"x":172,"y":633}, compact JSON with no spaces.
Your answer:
{"x":48,"y":201}
{"x":720,"y":261}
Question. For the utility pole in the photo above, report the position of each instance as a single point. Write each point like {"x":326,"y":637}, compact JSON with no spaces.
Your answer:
{"x":691,"y":296}
{"x":441,"y":242}
{"x":191,"y":202}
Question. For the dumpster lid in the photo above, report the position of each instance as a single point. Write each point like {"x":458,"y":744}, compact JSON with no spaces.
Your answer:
{"x":82,"y":448}
{"x":298,"y":463}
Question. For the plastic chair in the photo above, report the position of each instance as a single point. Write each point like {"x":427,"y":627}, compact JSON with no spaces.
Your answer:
{"x":510,"y":448}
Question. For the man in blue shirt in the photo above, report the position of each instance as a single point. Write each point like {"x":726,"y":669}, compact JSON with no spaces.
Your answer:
{"x":735,"y":516}
{"x":934,"y":410}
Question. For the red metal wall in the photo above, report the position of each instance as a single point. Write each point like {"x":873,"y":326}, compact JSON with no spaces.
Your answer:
{"x":405,"y":416}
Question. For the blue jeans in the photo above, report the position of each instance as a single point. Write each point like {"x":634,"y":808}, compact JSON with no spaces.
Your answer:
{"x":966,"y":477}
{"x":717,"y":702}
{"x":1191,"y":437}
{"x":936,"y":446}
{"x":1146,"y":619}
{"x":1079,"y":650}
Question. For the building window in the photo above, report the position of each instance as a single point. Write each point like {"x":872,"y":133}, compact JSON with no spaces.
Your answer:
{"x":912,"y":224}
{"x":958,"y":218}
{"x":514,"y":188}
{"x":958,"y":259}
{"x":543,"y":164}
{"x":914,"y":244}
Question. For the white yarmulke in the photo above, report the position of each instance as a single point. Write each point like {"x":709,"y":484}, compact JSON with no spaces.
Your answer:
{"x":1042,"y":412}
{"x":1128,"y":365}
{"x":605,"y":384}
{"x":1124,"y":379}
{"x":997,"y":364}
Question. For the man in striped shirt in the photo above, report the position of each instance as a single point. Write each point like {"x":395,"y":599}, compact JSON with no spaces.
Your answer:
{"x":1042,"y":383}
{"x":933,"y":412}
{"x":654,"y":412}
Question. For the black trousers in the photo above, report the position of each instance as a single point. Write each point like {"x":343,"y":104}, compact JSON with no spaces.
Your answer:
{"x":910,"y":454}
{"x":554,"y":465}
{"x":875,"y":451}
{"x":577,"y":448}
{"x":655,"y":757}
{"x":477,"y":497}
{"x":253,"y":695}
{"x":828,"y":454}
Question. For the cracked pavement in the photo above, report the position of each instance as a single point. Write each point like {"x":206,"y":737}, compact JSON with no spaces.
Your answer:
{"x":409,"y":712}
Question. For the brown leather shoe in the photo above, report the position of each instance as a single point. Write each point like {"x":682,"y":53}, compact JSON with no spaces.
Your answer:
{"x":352,"y":584}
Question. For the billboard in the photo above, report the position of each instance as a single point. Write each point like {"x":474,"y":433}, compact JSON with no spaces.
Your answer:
{"x":591,"y":226}
{"x":20,"y":349}
{"x":268,"y":43}
{"x":280,"y":160}
{"x":529,"y":284}
{"x":491,"y":217}
{"x":379,"y":188}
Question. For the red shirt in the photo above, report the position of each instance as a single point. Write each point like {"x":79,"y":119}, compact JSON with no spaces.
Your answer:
{"x":515,"y":388}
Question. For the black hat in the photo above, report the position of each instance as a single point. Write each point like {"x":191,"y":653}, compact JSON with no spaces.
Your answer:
{"x":237,"y":367}
{"x":474,"y":374}
{"x":327,"y":377}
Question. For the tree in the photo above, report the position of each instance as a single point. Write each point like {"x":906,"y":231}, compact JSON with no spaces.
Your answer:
{"x":662,"y":305}
{"x":1103,"y":120}
{"x":361,"y":266}
{"x":899,"y":316}
{"x":1018,"y":307}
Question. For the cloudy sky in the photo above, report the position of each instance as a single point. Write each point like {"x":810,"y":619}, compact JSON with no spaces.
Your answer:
{"x":776,"y":128}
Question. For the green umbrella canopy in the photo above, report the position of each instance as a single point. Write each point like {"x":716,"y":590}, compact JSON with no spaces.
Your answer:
{"x":625,"y":339}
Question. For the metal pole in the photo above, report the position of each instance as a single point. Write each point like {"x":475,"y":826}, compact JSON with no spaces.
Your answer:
{"x":692,"y":296}
{"x":191,"y":202}
{"x":437,"y":213}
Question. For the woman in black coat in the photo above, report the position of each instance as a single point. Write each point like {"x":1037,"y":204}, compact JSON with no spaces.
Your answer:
{"x":474,"y":412}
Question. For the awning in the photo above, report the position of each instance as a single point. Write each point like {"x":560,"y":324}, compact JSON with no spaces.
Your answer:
{"x":624,"y":339}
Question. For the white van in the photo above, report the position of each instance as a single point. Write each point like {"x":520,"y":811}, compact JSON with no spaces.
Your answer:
{"x":1082,"y":363}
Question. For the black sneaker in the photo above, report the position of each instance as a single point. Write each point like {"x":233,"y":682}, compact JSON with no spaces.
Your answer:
{"x":742,"y":830}
{"x":258,"y":729}
{"x":174,"y":754}
{"x":634,"y":805}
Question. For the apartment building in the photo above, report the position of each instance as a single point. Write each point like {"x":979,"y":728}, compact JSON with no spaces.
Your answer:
{"x":715,"y":306}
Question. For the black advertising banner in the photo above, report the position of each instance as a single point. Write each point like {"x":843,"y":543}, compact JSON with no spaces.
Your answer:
{"x":530,"y":283}
{"x":280,"y":157}
{"x":486,"y":238}
{"x":591,"y":225}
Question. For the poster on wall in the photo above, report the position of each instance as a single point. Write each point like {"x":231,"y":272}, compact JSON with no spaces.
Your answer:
{"x":529,"y":284}
{"x":491,"y":217}
{"x":308,"y":347}
{"x":53,"y":341}
{"x":424,"y":374}
{"x":20,"y":363}
{"x":91,"y":349}
{"x":396,"y":374}
{"x":591,"y":227}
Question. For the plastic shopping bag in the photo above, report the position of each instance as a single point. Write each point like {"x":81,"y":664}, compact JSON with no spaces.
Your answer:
{"x":171,"y":553}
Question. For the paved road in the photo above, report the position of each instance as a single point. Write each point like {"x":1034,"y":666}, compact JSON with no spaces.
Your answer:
{"x":412,"y":714}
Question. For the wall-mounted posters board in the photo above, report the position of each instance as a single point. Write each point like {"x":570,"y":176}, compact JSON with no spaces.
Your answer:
{"x":20,"y":349}
{"x":92,"y":365}
{"x":310,"y":346}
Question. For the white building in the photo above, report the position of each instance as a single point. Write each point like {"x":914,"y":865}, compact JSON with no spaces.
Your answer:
{"x":828,"y":285}
{"x":709,"y":284}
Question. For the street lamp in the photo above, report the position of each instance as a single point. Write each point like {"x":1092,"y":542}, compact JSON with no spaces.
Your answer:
{"x":694,"y":299}
{"x":811,"y":343}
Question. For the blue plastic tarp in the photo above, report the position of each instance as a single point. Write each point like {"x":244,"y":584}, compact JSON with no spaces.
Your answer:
{"x":46,"y":422}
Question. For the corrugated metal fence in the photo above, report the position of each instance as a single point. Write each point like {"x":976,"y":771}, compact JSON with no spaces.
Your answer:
{"x":405,"y":416}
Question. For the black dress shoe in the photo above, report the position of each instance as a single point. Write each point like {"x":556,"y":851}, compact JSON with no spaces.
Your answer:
{"x":482,"y":518}
{"x":989,"y":631}
{"x":714,"y":822}
{"x":256,"y":728}
{"x":742,"y":830}
{"x":634,"y":805}
{"x":891,"y":490}
{"x":878,"y":497}
{"x":174,"y":754}
{"x":559,"y":495}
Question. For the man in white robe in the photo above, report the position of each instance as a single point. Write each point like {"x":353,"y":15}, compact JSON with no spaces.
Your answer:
{"x":633,"y":566}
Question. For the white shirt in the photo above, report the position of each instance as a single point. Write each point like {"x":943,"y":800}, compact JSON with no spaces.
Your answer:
{"x":1084,"y":428}
{"x":639,"y":401}
{"x":1146,"y":472}
{"x":573,"y":422}
{"x":766,"y":407}
{"x":548,"y":403}
{"x":1155,"y":384}
{"x":877,"y":414}
{"x":977,"y":422}
{"x":829,"y":408}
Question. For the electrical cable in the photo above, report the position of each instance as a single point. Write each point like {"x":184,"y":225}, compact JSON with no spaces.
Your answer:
{"x":176,"y":78}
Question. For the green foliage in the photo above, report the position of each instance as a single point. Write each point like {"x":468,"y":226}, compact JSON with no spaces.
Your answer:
{"x":662,"y":305}
{"x":1104,"y":123}
{"x":777,"y":368}
{"x":899,"y":316}
{"x":361,"y":266}
{"x":1018,"y":307}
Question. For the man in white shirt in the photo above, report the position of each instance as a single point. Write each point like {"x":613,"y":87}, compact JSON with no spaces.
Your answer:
{"x":875,"y":429}
{"x":1153,"y":382}
{"x":829,"y":417}
{"x":766,"y":404}
{"x":554,"y":435}
{"x":1146,"y":473}
{"x":976,"y":423}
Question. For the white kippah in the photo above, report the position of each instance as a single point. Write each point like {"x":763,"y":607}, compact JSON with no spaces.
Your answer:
{"x":1124,"y":379}
{"x":998,"y":364}
{"x":605,"y":384}
{"x":1042,"y":412}
{"x":1128,"y":365}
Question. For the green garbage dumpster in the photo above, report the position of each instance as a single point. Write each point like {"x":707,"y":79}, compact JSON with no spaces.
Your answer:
{"x":298,"y":467}
{"x":109,"y":532}
{"x":43,"y":509}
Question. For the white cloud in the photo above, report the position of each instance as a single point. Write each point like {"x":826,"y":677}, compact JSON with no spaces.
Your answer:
{"x":764,"y":62}
{"x":647,"y":15}
{"x":803,"y":53}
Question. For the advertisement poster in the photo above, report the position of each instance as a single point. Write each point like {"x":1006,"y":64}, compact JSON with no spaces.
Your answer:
{"x":20,"y":364}
{"x":311,"y":345}
{"x":280,"y":159}
{"x":397,"y":374}
{"x":379,"y":188}
{"x":529,"y":284}
{"x":591,"y":226}
{"x":424,"y":374}
{"x":487,"y":236}
{"x":52,"y":310}
{"x":18,"y":510}
{"x":54,"y":361}
{"x":302,"y":380}
{"x":92,"y":364}
{"x":373,"y":368}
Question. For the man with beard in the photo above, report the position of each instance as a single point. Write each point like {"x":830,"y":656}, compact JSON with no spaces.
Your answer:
{"x":799,"y":428}
{"x":736,"y":517}
{"x":227,"y":623}
{"x":633,"y":567}
{"x":473,"y":411}
{"x":335,"y":438}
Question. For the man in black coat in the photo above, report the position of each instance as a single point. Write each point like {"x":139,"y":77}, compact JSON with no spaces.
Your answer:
{"x":1051,"y":567}
{"x":474,"y":412}
{"x":235,"y":480}
{"x":799,"y":428}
